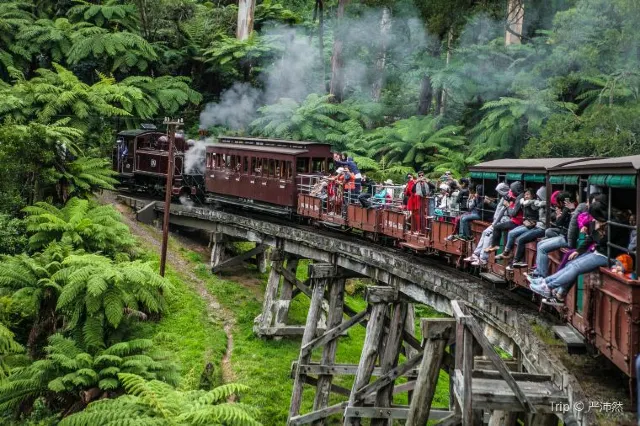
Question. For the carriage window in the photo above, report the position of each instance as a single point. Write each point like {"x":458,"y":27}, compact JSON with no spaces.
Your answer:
{"x":279,"y":169}
{"x":302,"y":165}
{"x":245,"y":168}
{"x":287,"y":173}
{"x":209,"y":160}
{"x":272,"y":167}
{"x":318,"y":165}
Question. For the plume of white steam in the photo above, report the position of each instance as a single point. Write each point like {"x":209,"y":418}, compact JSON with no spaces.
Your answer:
{"x":194,"y":158}
{"x":186,"y":201}
{"x":289,"y":76}
{"x":235,"y":110}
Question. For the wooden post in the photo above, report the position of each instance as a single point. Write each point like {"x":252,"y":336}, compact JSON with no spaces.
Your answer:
{"x":320,"y":275}
{"x":286,"y":292}
{"x":378,"y":298}
{"x":410,"y":328}
{"x":336,"y":309}
{"x":262,"y":259}
{"x":503,"y":418}
{"x":467,"y":371}
{"x":435,"y":334}
{"x":271,"y":291}
{"x":218,"y":249}
{"x":389,"y":358}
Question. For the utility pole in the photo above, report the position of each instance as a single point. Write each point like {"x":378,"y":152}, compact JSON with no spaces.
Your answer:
{"x":171,"y":132}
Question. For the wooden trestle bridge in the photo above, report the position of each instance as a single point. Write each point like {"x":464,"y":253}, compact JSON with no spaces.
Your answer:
{"x":484,"y":388}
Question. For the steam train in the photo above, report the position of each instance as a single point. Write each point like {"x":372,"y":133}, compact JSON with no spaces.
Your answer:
{"x":278,"y":177}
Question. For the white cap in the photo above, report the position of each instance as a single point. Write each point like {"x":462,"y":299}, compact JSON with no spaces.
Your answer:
{"x":388,"y":182}
{"x":340,"y":170}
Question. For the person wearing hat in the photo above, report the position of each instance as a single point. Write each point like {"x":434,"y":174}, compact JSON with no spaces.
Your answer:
{"x":591,"y":254}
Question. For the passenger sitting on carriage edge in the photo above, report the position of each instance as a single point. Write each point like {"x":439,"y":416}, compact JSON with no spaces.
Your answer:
{"x":568,"y":237}
{"x":535,"y":213}
{"x":514,"y":211}
{"x":366,"y":192}
{"x":480,"y":256}
{"x":590,"y":255}
{"x":475,"y":204}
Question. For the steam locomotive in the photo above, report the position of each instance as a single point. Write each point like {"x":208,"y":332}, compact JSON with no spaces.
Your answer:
{"x":278,"y":177}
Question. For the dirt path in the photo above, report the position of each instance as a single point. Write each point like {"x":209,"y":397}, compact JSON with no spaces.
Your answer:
{"x":153,"y":238}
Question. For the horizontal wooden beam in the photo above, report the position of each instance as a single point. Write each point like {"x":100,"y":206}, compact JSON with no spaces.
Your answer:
{"x":239,"y":259}
{"x":338,"y":369}
{"x":286,"y":330}
{"x":334,"y":388}
{"x":317,"y":415}
{"x":381,"y":294}
{"x":390,"y":413}
{"x":525,"y":377}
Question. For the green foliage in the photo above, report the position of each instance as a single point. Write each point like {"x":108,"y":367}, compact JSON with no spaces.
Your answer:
{"x":110,"y":12}
{"x":155,"y":402}
{"x":12,"y":235}
{"x":124,"y":49}
{"x":85,"y":175}
{"x":231,"y":53}
{"x":74,"y":375}
{"x":98,"y":294}
{"x":79,"y":223}
{"x":314,"y":119}
{"x":8,"y":347}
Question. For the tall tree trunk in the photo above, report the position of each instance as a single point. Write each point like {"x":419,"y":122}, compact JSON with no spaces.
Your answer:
{"x":336,"y":87}
{"x":515,"y":21}
{"x":321,"y":44}
{"x":385,"y":29}
{"x":443,"y":93}
{"x":426,"y":96}
{"x":246,"y":9}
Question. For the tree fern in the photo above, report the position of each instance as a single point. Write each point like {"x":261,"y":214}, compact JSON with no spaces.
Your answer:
{"x":74,"y":375}
{"x":82,"y":177}
{"x":79,"y":223}
{"x":8,"y":347}
{"x":157,"y":403}
{"x":109,"y":12}
{"x":124,"y":49}
{"x":97,"y":292}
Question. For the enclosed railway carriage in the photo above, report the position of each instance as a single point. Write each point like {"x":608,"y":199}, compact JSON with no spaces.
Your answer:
{"x":141,"y":159}
{"x":532,"y":173}
{"x":605,"y":306}
{"x":262,"y":173}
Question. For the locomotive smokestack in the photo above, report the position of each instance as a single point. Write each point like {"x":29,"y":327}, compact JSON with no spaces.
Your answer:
{"x":203,"y":133}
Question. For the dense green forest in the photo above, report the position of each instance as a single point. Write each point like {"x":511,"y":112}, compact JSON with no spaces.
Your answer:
{"x":401,"y":85}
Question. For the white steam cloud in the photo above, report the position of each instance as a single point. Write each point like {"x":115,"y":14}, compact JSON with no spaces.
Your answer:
{"x":194,"y":158}
{"x":235,"y":110}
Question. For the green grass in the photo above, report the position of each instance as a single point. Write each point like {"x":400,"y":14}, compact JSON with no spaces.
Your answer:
{"x":265,"y":365}
{"x":188,"y":332}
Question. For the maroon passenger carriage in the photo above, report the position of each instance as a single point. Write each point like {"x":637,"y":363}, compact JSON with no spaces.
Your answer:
{"x":262,"y":173}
